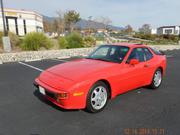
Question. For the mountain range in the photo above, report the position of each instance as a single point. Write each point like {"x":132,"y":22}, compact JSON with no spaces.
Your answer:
{"x":85,"y":24}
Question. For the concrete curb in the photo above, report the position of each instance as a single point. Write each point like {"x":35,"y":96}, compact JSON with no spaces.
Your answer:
{"x":31,"y":60}
{"x":42,"y":55}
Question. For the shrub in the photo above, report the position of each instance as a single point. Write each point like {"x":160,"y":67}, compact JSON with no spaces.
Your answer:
{"x":14,"y":39}
{"x":63,"y":43}
{"x":159,"y":39}
{"x":75,"y":40}
{"x":35,"y":41}
{"x":100,"y":38}
{"x":89,"y":41}
{"x":1,"y":35}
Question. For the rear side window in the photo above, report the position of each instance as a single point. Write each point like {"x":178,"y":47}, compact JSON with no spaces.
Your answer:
{"x":148,"y":54}
{"x":157,"y":52}
{"x":137,"y":53}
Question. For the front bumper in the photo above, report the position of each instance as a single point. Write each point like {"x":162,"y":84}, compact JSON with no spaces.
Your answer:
{"x":72,"y":102}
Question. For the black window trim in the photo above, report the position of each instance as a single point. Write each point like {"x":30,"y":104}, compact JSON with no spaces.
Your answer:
{"x":150,"y":52}
{"x":110,"y":45}
{"x":144,"y":53}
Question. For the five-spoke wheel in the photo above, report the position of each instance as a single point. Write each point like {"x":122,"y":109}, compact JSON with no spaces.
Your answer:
{"x":97,"y":97}
{"x":157,"y":79}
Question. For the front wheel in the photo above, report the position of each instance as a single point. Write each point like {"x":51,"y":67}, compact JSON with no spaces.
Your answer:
{"x":97,"y":97}
{"x":157,"y":79}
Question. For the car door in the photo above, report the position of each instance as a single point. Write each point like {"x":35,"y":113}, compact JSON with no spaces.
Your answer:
{"x":133,"y":74}
{"x":149,"y":66}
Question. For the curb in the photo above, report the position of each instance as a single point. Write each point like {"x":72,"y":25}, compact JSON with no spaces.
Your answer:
{"x":64,"y":57}
{"x":59,"y":54}
{"x":31,"y":60}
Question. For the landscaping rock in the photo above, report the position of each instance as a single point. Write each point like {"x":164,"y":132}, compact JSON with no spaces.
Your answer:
{"x":63,"y":53}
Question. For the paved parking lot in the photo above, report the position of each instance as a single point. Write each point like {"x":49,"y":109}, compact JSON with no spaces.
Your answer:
{"x":24,"y":112}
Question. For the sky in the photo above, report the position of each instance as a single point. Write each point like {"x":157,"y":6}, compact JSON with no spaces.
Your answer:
{"x":121,"y":12}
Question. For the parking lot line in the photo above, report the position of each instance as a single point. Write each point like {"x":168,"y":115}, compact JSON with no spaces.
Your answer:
{"x":60,"y":60}
{"x":169,"y":56}
{"x":30,"y":66}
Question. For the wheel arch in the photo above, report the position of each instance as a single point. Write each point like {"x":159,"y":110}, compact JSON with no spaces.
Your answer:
{"x":108,"y":85}
{"x":161,"y":68}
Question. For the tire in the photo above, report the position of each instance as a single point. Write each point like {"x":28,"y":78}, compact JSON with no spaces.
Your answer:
{"x":157,"y":79}
{"x":97,"y":97}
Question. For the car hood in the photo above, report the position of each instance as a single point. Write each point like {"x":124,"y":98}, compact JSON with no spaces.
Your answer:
{"x":76,"y":69}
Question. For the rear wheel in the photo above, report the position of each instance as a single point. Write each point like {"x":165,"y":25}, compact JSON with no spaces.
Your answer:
{"x":97,"y":97}
{"x":157,"y":79}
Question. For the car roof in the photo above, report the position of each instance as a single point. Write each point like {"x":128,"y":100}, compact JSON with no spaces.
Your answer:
{"x":129,"y":44}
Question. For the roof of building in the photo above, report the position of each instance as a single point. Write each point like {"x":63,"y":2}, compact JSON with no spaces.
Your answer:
{"x":21,"y":11}
{"x":169,"y":26}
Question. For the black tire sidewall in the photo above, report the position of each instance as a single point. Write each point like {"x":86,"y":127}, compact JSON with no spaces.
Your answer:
{"x":152,"y":83}
{"x":89,"y":107}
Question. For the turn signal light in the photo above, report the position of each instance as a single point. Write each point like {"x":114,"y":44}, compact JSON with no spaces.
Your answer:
{"x":62,"y":95}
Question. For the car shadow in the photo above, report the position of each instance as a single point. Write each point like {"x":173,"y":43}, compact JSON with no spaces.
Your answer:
{"x":44,"y":100}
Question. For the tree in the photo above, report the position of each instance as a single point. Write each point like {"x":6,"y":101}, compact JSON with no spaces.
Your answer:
{"x":47,"y":26}
{"x":104,"y":20}
{"x":128,"y":29}
{"x":71,"y":17}
{"x":55,"y":26}
{"x":145,"y":29}
{"x":61,"y":21}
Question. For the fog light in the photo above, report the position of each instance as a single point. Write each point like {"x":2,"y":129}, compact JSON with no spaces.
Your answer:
{"x":62,"y":96}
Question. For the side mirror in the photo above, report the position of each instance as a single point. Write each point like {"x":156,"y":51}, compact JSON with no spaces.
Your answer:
{"x":134,"y":62}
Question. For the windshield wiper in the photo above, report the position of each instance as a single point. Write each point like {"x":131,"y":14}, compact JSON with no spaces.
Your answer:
{"x":98,"y":59}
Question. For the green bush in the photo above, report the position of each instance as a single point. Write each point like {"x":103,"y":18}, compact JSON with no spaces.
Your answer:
{"x":158,"y":39}
{"x":100,"y":38}
{"x":1,"y":35}
{"x":89,"y":41}
{"x":73,"y":40}
{"x":63,"y":42}
{"x":14,"y":39}
{"x":35,"y":41}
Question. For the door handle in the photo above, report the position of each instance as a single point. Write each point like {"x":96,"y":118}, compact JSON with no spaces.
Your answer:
{"x":146,"y":65}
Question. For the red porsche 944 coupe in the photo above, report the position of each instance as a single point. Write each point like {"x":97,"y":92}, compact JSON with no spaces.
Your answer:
{"x":108,"y":71}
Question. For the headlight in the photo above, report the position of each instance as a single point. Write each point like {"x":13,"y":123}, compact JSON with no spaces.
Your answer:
{"x":62,"y":95}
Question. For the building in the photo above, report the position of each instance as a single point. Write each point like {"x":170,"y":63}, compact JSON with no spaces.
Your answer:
{"x":153,"y":31}
{"x":167,"y":30}
{"x":22,"y":22}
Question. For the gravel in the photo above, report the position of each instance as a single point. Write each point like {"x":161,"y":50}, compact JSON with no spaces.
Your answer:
{"x":59,"y":54}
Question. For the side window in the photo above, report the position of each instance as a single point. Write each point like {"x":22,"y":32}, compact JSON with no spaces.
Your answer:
{"x":137,"y":53}
{"x":148,"y":54}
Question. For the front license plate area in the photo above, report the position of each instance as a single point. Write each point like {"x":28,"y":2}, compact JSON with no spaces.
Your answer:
{"x":42,"y":90}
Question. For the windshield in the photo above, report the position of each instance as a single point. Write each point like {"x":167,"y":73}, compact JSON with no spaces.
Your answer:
{"x":110,"y":53}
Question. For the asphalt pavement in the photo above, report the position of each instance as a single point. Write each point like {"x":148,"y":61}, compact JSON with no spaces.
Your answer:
{"x":23,"y":111}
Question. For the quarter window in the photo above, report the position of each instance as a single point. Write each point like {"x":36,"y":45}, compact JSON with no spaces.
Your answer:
{"x":137,"y":53}
{"x":148,"y":54}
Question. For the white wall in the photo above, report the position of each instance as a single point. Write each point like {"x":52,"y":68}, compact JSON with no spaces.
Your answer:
{"x":20,"y":27}
{"x":153,"y":31}
{"x":177,"y":30}
{"x":164,"y":29}
{"x":33,"y":21}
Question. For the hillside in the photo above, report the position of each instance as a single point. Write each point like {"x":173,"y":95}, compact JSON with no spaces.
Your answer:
{"x":85,"y":24}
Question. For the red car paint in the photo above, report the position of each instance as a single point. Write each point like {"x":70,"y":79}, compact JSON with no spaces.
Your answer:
{"x":77,"y":77}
